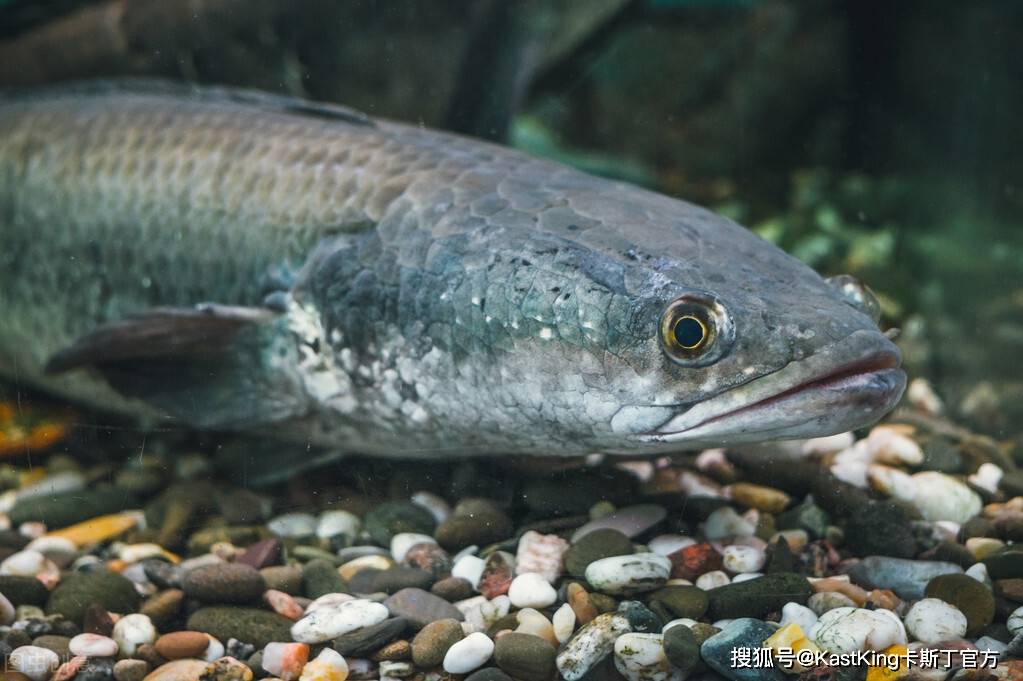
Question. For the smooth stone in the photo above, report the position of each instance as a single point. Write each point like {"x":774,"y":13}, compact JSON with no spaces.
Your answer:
{"x":249,"y":625}
{"x":469,"y":654}
{"x":847,"y":630}
{"x":1007,"y":564}
{"x":433,"y":641}
{"x":942,"y":497}
{"x":23,"y":590}
{"x":932,"y":620}
{"x":329,"y":665}
{"x":94,"y":669}
{"x":182,"y":644}
{"x":531,"y":590}
{"x":631,"y":521}
{"x":286,"y":578}
{"x":907,"y":578}
{"x":93,"y":645}
{"x":757,"y":597}
{"x":132,"y":631}
{"x":130,"y":670}
{"x":399,"y":577}
{"x":332,"y":620}
{"x":338,"y":522}
{"x":641,"y":618}
{"x":744,"y":632}
{"x":681,"y":647}
{"x":624,"y":575}
{"x":882,"y":529}
{"x":321,"y":577}
{"x":178,"y":670}
{"x":396,"y":517}
{"x":592,"y":643}
{"x":682,"y":600}
{"x":293,"y":525}
{"x":421,"y":607}
{"x":488,"y":674}
{"x":807,"y":516}
{"x":33,"y":661}
{"x":593,"y":546}
{"x":365,"y":640}
{"x":79,"y":590}
{"x":641,"y":657}
{"x":524,"y":656}
{"x":234,"y":583}
{"x":973,"y":599}
{"x":483,"y":524}
{"x":452,"y":589}
{"x":403,"y":541}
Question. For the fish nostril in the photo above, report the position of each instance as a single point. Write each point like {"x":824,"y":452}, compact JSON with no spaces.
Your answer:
{"x":857,"y":294}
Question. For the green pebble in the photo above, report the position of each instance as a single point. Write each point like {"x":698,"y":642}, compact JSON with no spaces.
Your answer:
{"x":524,"y":656}
{"x":973,"y":599}
{"x":1006,"y":564}
{"x":602,"y":602}
{"x":395,"y":517}
{"x":602,"y":543}
{"x":248,"y":625}
{"x":320,"y":577}
{"x":807,"y":516}
{"x":880,"y":529}
{"x":681,"y":647}
{"x":78,"y":591}
{"x":757,"y":597}
{"x":60,"y":510}
{"x":682,"y":601}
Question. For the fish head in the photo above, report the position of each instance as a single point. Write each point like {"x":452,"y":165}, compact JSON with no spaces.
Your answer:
{"x":723,"y":338}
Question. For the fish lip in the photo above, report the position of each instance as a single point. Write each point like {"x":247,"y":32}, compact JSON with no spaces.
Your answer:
{"x":867,"y":382}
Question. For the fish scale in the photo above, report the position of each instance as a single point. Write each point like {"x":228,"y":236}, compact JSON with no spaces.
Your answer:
{"x":439,"y":294}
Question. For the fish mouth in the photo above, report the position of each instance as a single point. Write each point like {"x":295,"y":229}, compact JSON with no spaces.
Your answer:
{"x":842,"y":387}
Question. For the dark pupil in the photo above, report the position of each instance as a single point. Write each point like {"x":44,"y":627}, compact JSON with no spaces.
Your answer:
{"x":688,"y":332}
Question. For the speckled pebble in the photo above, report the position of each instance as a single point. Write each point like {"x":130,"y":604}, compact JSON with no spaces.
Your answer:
{"x":591,"y":644}
{"x":640,"y":657}
{"x":634,"y":573}
{"x":330,"y":621}
{"x":932,"y":620}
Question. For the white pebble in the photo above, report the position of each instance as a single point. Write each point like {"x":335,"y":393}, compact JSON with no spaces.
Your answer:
{"x":403,"y":541}
{"x":743,"y":559}
{"x":132,"y":631}
{"x":332,"y":620}
{"x":480,"y":613}
{"x":1015,"y":621}
{"x":543,"y":554}
{"x":889,"y":444}
{"x":531,"y":590}
{"x":979,"y":572}
{"x":334,"y":523}
{"x":24,"y":564}
{"x":214,"y":651}
{"x":794,"y":613}
{"x":469,"y":568}
{"x":623,"y":575}
{"x":329,"y":664}
{"x":93,"y":645}
{"x":712,"y":580}
{"x":891,"y":481}
{"x":725,"y":522}
{"x":293,"y":525}
{"x":279,"y":658}
{"x":564,"y":622}
{"x":931,"y":620}
{"x":640,"y":657}
{"x":848,"y":630}
{"x":591,"y":644}
{"x":469,"y":654}
{"x":48,"y":544}
{"x":987,"y":477}
{"x":830,"y":444}
{"x":34,"y":662}
{"x":133,"y":553}
{"x":942,"y":497}
{"x":7,"y":611}
{"x":667,"y":544}
{"x":681,"y":621}
{"x":535,"y":623}
{"x":438,"y":508}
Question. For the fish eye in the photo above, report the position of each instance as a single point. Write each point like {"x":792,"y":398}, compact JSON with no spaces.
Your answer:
{"x":857,"y":294}
{"x":695,"y":330}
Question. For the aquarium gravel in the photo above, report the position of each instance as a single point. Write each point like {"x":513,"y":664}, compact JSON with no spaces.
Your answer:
{"x":880,"y":555}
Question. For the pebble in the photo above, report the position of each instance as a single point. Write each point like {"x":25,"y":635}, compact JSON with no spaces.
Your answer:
{"x":228,"y":669}
{"x":974,"y":599}
{"x":942,"y":497}
{"x":403,"y":541}
{"x":525,"y":657}
{"x":421,"y":607}
{"x":350,"y":569}
{"x":293,"y":525}
{"x":366,"y":640}
{"x":681,"y":647}
{"x":534,"y":623}
{"x":182,"y":644}
{"x":432,"y":642}
{"x":760,"y":497}
{"x":743,"y":558}
{"x":132,"y":631}
{"x":630,"y":574}
{"x":77,"y":591}
{"x":563,"y":623}
{"x":474,"y":521}
{"x":795,"y":613}
{"x":320,"y":577}
{"x":531,"y":590}
{"x":497,"y":574}
{"x":595,"y":545}
{"x":824,"y":601}
{"x":543,"y":554}
{"x":631,"y":521}
{"x":178,"y":670}
{"x":725,"y":522}
{"x":932,"y":620}
{"x":93,"y":645}
{"x":907,"y":578}
{"x":394,"y":517}
{"x":847,"y":630}
{"x":694,"y":560}
{"x":468,"y":654}
{"x":452,"y":589}
{"x":667,"y":544}
{"x":591,"y":644}
{"x":250,"y":625}
{"x":224,"y":583}
{"x":488,"y":674}
{"x":333,"y":523}
{"x":285,"y":660}
{"x":641,"y":657}
{"x":470,"y":568}
{"x":398,"y":577}
{"x":745,"y":632}
{"x":681,"y":600}
{"x":330,"y":621}
{"x":429,"y":557}
{"x":329,"y":665}
{"x":283,"y":604}
{"x":33,"y":661}
{"x":130,"y":670}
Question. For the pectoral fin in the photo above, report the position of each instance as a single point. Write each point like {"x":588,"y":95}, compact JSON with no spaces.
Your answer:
{"x":211,"y":366}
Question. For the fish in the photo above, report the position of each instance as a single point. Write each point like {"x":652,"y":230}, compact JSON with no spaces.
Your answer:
{"x":233,"y":260}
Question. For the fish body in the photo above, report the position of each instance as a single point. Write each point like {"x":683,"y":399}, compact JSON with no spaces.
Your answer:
{"x":241,"y":261}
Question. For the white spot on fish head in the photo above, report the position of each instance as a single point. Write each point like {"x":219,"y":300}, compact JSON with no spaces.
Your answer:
{"x":546,"y":333}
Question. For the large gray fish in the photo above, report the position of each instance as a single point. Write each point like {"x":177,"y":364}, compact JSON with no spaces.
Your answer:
{"x":241,"y":261}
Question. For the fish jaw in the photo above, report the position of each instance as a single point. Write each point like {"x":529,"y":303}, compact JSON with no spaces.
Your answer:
{"x":846,"y":385}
